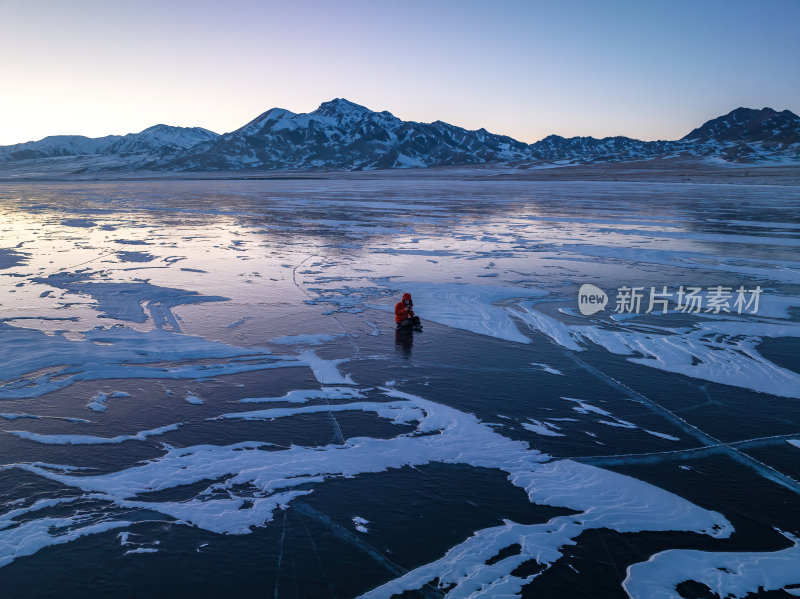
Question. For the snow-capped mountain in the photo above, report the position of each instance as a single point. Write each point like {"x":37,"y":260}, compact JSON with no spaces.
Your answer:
{"x":342,"y":135}
{"x":742,"y":134}
{"x":56,"y":145}
{"x":591,"y":149}
{"x":153,"y":142}
{"x":749,"y":125}
{"x":160,"y":139}
{"x":748,"y":134}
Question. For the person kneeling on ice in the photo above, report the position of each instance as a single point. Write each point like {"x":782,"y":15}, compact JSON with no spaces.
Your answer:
{"x":404,"y":314}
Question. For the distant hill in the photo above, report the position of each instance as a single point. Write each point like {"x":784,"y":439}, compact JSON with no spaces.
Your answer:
{"x":155,"y":142}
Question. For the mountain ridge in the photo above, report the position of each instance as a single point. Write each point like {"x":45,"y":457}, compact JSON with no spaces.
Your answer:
{"x":343,"y":135}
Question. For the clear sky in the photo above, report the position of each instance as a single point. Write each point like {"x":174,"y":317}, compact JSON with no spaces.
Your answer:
{"x":652,"y":69}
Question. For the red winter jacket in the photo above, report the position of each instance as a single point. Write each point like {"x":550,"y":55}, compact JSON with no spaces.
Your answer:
{"x":403,"y":312}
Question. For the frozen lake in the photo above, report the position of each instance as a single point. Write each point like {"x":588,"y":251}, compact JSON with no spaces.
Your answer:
{"x":202,"y":392}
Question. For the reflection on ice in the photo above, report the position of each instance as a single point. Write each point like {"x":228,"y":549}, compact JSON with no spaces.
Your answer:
{"x":116,"y":353}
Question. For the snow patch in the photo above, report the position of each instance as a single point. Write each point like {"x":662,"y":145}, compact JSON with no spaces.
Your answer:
{"x":193,"y":399}
{"x":727,"y":574}
{"x":541,"y":428}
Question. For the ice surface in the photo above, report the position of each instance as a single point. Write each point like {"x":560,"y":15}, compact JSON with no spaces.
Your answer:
{"x":303,"y":339}
{"x":469,"y":307}
{"x":718,"y":351}
{"x":567,"y":484}
{"x":231,"y":516}
{"x":20,"y":539}
{"x":128,"y":301}
{"x":443,"y":434}
{"x":551,"y":327}
{"x":114,"y":353}
{"x":224,"y":271}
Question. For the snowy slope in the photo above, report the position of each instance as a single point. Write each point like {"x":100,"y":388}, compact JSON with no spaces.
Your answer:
{"x":160,"y":138}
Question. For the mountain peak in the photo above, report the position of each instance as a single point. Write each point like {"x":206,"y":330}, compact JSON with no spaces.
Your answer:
{"x":747,"y":124}
{"x":174,"y":130}
{"x":157,"y":128}
{"x":339,"y":107}
{"x":262,"y":120}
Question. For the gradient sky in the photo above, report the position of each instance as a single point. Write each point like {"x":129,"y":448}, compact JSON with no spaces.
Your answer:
{"x":642,"y":68}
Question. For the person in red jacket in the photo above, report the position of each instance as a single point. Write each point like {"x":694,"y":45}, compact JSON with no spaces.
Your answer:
{"x":404,"y":313}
